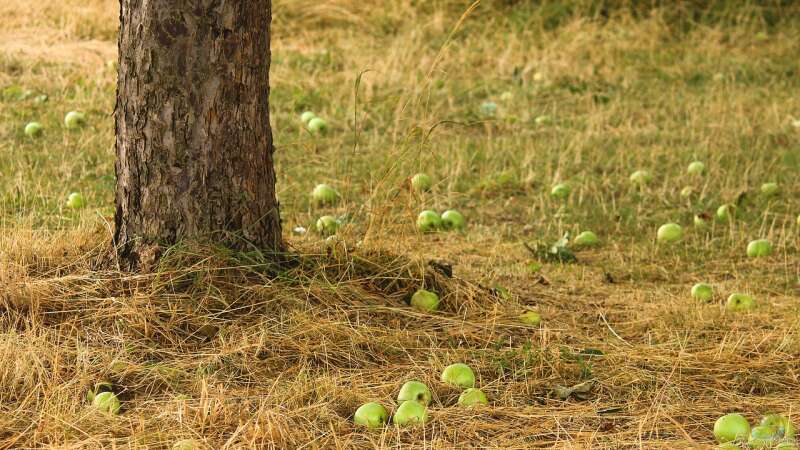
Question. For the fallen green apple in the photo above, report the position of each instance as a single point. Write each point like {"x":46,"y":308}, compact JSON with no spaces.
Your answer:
{"x":371,"y":415}
{"x":770,"y":189}
{"x":586,"y":239}
{"x":75,"y":201}
{"x":740,"y":302}
{"x":561,"y":191}
{"x":415,"y":391}
{"x":641,"y":177}
{"x":471,"y":397}
{"x":702,"y":291}
{"x":726,"y":212}
{"x":759,"y":248}
{"x":425,"y":300}
{"x":185,"y":444}
{"x":106,"y":402}
{"x":459,"y":375}
{"x":421,"y":182}
{"x":317,"y":125}
{"x":531,"y":318}
{"x":696,"y":168}
{"x":543,"y":120}
{"x":687,"y":192}
{"x":731,"y":427}
{"x":668,"y":233}
{"x":327,"y":225}
{"x":307,"y":116}
{"x":784,"y":425}
{"x":453,"y":220}
{"x":428,"y":221}
{"x":34,"y":129}
{"x":763,"y":436}
{"x":324,"y":194}
{"x":74,"y":120}
{"x":410,"y":413}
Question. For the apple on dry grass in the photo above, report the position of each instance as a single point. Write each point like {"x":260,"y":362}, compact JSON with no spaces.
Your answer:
{"x":740,"y":302}
{"x":371,"y":415}
{"x":459,"y":375}
{"x":415,"y":391}
{"x":703,"y":291}
{"x":731,"y":427}
{"x":669,"y":233}
{"x":425,"y":300}
{"x":410,"y":413}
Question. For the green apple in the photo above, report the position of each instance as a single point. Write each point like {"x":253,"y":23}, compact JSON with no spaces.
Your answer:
{"x":586,"y":239}
{"x":76,"y":201}
{"x":425,"y":300}
{"x":317,"y":125}
{"x":702,"y":291}
{"x":641,"y":177}
{"x":324,"y":194}
{"x":34,"y":129}
{"x":428,"y":221}
{"x":489,"y":108}
{"x":726,"y":212}
{"x":763,"y":436}
{"x":740,"y":302}
{"x":798,"y":220}
{"x":459,"y":375}
{"x":185,"y":444}
{"x":700,"y":222}
{"x":421,"y":182}
{"x":696,"y":168}
{"x":327,"y":225}
{"x":561,"y":191}
{"x":687,"y":192}
{"x":758,"y":248}
{"x":371,"y":415}
{"x":453,"y":220}
{"x":783,"y":424}
{"x":415,"y":391}
{"x":410,"y":413}
{"x":668,"y":233}
{"x":74,"y":120}
{"x":770,"y":189}
{"x":531,"y":318}
{"x":307,"y":116}
{"x":731,"y":427}
{"x":106,"y":402}
{"x":472,"y":397}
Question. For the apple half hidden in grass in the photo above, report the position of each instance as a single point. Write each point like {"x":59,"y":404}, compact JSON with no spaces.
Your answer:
{"x":472,"y":397}
{"x":740,"y":302}
{"x":421,"y":182}
{"x":458,"y":375}
{"x":75,"y":201}
{"x":531,"y":318}
{"x":34,"y":129}
{"x":759,"y":248}
{"x":543,"y":120}
{"x":410,"y":413}
{"x":703,"y":292}
{"x":324,"y":194}
{"x":561,"y":191}
{"x":726,"y":212}
{"x":106,"y":402}
{"x":731,"y":427}
{"x":701,"y":221}
{"x":770,"y":189}
{"x":687,"y":192}
{"x":586,"y":239}
{"x":317,"y":125}
{"x":782,"y":424}
{"x":763,"y":436}
{"x":428,"y":221}
{"x":371,"y":415}
{"x":327,"y":225}
{"x":696,"y":168}
{"x":74,"y":120}
{"x":452,"y":220}
{"x":415,"y":391}
{"x":307,"y":116}
{"x":669,"y":233}
{"x":641,"y":177}
{"x":425,"y":300}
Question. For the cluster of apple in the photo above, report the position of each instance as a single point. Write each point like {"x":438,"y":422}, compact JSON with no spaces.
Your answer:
{"x":314,"y":124}
{"x":72,"y":121}
{"x":414,"y":398}
{"x":325,"y":195}
{"x":430,"y":221}
{"x":775,"y":431}
{"x":736,"y":301}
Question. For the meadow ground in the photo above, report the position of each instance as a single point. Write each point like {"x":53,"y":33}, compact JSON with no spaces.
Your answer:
{"x":234,"y":352}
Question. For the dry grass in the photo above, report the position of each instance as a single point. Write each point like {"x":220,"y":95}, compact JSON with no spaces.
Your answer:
{"x":235,"y":352}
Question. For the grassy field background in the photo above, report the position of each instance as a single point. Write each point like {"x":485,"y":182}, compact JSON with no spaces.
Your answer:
{"x":229,"y":350}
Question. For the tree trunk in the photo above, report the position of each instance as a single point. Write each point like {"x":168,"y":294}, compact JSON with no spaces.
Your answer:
{"x":194,"y":144}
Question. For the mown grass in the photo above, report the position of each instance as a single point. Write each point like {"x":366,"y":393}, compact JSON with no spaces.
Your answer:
{"x":237,"y":353}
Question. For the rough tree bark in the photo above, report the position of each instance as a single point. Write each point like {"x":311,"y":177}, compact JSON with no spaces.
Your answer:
{"x":194,"y":145}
